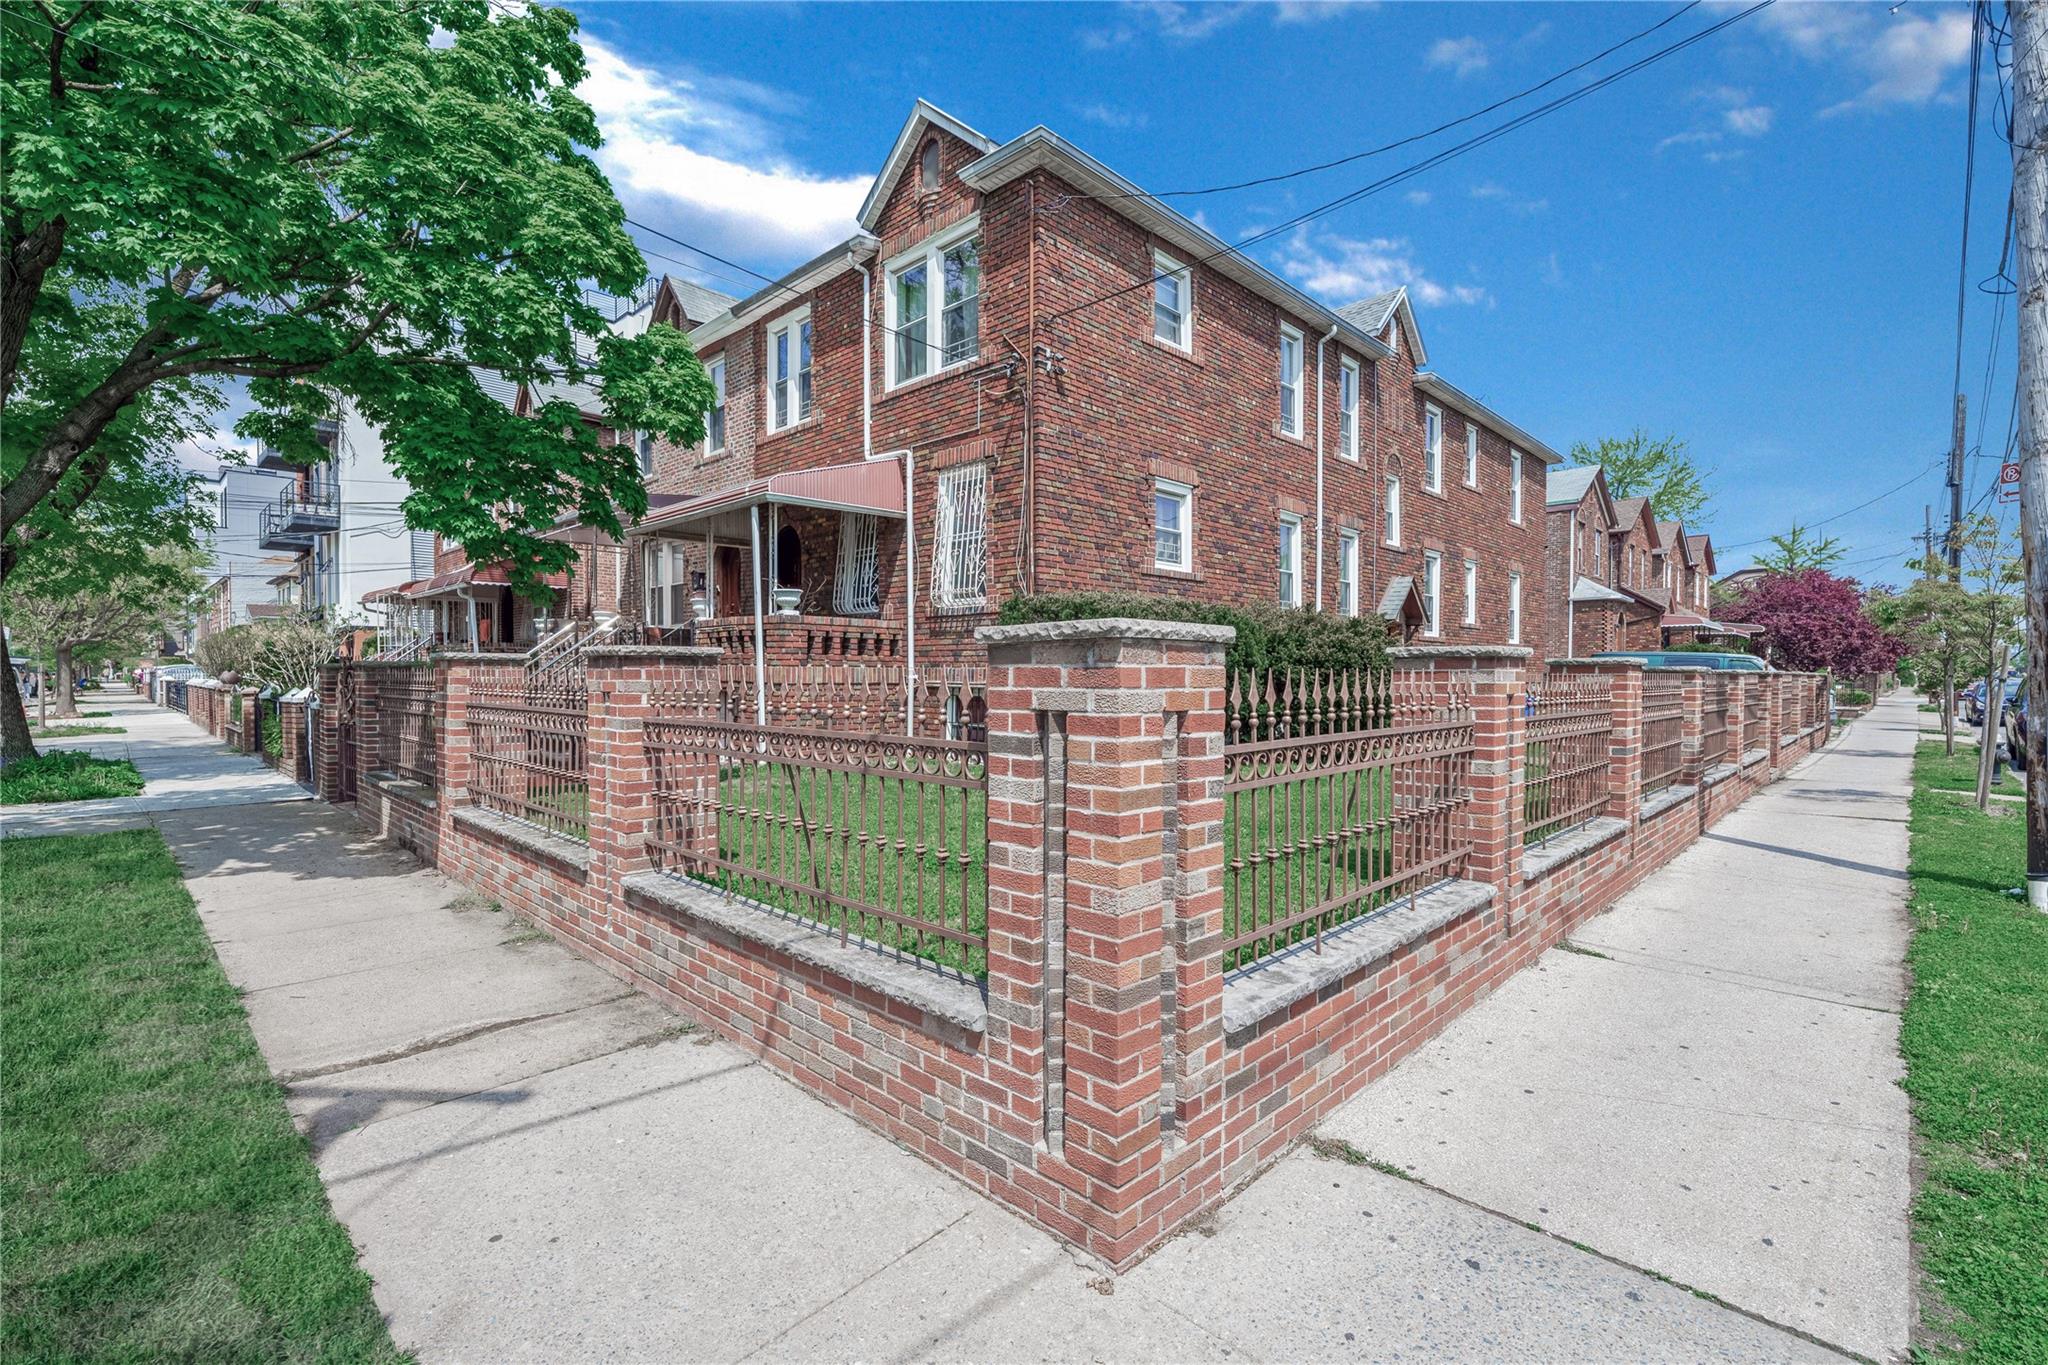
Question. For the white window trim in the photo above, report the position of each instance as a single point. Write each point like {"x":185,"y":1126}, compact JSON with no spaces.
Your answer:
{"x":931,"y":252}
{"x":1515,"y":486}
{"x":715,"y":371}
{"x":1514,"y":608}
{"x":1433,"y":593}
{"x":1186,"y":495}
{"x":790,"y":324}
{"x":1471,"y":454}
{"x":1432,"y":448}
{"x":1471,"y":592}
{"x":1347,"y":444}
{"x":645,"y":461}
{"x":1293,"y":568}
{"x":1290,"y":410}
{"x":1347,"y":571}
{"x":1163,"y":264}
{"x":663,"y":567}
{"x":1390,"y":520}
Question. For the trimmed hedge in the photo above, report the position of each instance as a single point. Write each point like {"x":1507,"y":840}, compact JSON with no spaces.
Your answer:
{"x":1268,"y":636}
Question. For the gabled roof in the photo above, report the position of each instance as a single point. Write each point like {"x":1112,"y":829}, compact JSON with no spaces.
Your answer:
{"x":1628,"y":510}
{"x":698,"y":304}
{"x":922,"y":115}
{"x":1671,"y":536}
{"x":1451,"y":396}
{"x":1701,"y":548}
{"x":1402,"y":601}
{"x":788,"y":291}
{"x":1372,"y":315}
{"x":1562,"y":487}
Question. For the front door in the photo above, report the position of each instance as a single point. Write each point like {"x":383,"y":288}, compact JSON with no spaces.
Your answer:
{"x":731,"y":600}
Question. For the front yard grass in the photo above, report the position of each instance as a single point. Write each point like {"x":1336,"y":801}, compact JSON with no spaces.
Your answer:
{"x":67,"y":775}
{"x":69,"y":731}
{"x":1975,"y":1038}
{"x":1958,"y":772}
{"x":155,"y":1201}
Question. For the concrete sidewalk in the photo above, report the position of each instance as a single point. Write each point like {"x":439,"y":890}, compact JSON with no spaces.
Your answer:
{"x":1709,"y":1088}
{"x":182,"y":767}
{"x":538,"y":1165}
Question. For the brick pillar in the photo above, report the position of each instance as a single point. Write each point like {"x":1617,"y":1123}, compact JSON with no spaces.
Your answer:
{"x":1737,"y":687}
{"x":1495,"y":679}
{"x":252,"y":722}
{"x":1694,"y":726}
{"x":327,"y":734}
{"x":1105,"y":912}
{"x":291,"y":737}
{"x":451,"y":741}
{"x":1776,"y":689}
{"x":1625,"y":741}
{"x":626,"y":685}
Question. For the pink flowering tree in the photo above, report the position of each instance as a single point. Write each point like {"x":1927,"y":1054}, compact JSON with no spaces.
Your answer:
{"x":1812,"y":620}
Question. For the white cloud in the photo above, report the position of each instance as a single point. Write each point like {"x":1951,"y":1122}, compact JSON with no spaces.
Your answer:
{"x":1418,"y":197}
{"x":1494,"y":192}
{"x":1343,"y":269}
{"x":1902,"y":57}
{"x":1553,"y":272}
{"x":1462,"y":55}
{"x":1316,"y":11}
{"x":1750,"y":120}
{"x":203,"y":454}
{"x":706,"y":152}
{"x":1189,"y":23}
{"x":1109,"y":116}
{"x":1685,"y":139}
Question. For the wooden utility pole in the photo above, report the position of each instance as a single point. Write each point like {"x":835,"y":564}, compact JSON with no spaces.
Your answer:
{"x":2029,"y":29}
{"x":1955,"y":487}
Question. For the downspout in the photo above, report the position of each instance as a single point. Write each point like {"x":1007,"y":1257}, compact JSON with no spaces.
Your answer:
{"x":760,"y":642}
{"x":867,"y":369}
{"x":1030,"y":527}
{"x":1325,"y":341}
{"x":1571,"y":581}
{"x":910,"y":590}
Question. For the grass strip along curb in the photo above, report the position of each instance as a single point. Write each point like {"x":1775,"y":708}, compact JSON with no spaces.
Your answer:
{"x":155,"y":1201}
{"x":1975,"y":1037}
{"x":67,"y":775}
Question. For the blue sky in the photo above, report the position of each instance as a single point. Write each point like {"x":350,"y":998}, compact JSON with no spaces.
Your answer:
{"x":1752,"y":244}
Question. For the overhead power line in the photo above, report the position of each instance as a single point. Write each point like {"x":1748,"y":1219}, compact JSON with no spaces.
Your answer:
{"x":1848,"y":511}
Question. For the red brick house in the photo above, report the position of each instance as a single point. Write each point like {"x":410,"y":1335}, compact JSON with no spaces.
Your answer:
{"x":1602,"y":591}
{"x":1025,"y":375}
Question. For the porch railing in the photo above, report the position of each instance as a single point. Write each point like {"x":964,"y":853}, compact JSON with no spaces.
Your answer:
{"x":1565,"y":761}
{"x":876,"y":835}
{"x":1342,"y":795}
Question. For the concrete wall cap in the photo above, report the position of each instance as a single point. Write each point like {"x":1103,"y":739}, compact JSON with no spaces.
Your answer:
{"x":689,"y":654}
{"x":1106,"y":628}
{"x":1595,"y":663}
{"x":482,"y":656}
{"x":1408,"y":652}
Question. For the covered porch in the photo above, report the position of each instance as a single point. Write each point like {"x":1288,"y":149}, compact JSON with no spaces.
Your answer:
{"x":465,"y":608}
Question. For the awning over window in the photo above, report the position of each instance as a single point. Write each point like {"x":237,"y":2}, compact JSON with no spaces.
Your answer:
{"x":871,"y":486}
{"x":452,"y":583}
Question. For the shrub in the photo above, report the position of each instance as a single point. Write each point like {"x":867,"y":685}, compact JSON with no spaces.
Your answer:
{"x":1268,"y":636}
{"x":67,"y":775}
{"x":273,"y":732}
{"x":1852,"y":696}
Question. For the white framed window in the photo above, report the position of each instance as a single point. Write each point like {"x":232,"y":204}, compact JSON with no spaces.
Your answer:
{"x":1173,"y":318}
{"x":960,"y":539}
{"x":1290,"y":380}
{"x":643,"y":451}
{"x":667,"y":583}
{"x":1393,"y":531}
{"x":1347,"y":573}
{"x":1471,"y":455}
{"x":1514,"y":608}
{"x":1432,"y":450}
{"x":1432,"y":593}
{"x":1347,"y":409}
{"x":714,"y":422}
{"x":853,"y":586}
{"x":1471,"y":592}
{"x":1173,"y":527}
{"x":1515,"y":487}
{"x":933,"y":305}
{"x":1290,"y":560}
{"x":789,"y":370}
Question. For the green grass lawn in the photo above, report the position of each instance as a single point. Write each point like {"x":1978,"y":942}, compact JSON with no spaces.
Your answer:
{"x":72,"y":731}
{"x":1975,"y":1038}
{"x":1958,"y":772}
{"x":158,"y":1203}
{"x":67,"y":775}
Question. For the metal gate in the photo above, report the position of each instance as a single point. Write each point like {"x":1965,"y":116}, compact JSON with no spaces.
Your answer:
{"x":345,"y":732}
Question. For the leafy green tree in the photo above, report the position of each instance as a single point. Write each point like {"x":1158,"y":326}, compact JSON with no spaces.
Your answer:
{"x":1799,"y":549}
{"x":327,"y":199}
{"x":1660,"y":468}
{"x":72,"y":609}
{"x":1960,"y":623}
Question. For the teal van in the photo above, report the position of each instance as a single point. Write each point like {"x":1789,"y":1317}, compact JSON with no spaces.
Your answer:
{"x":1687,"y":658}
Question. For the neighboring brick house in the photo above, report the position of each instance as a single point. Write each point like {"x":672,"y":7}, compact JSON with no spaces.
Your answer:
{"x":1601,"y":592}
{"x":1086,"y":391}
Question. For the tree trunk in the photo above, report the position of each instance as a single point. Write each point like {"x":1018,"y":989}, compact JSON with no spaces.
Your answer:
{"x":67,"y":685}
{"x":15,"y":740}
{"x":1948,"y":709}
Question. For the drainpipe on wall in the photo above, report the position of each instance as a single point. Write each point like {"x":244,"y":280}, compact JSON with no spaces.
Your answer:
{"x":1325,"y":341}
{"x":867,"y":371}
{"x":760,"y":643}
{"x":910,"y":590}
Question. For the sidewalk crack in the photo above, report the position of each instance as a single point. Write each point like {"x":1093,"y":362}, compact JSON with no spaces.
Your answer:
{"x":439,"y":1041}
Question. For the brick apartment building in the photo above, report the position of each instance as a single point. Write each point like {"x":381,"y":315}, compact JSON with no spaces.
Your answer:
{"x":1025,"y":375}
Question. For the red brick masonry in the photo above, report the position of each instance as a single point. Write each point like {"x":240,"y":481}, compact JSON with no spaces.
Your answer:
{"x":1107,"y":1080}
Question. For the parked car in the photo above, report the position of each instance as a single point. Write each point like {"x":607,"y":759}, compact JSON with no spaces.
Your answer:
{"x":2014,"y":729}
{"x":1690,"y":658}
{"x":1973,"y":698}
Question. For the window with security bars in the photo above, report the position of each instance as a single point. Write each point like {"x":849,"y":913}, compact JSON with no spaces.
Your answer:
{"x":960,"y":542}
{"x":853,"y":588}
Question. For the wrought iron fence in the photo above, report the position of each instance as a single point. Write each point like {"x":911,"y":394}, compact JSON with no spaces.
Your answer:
{"x":1565,"y":754}
{"x":175,"y":695}
{"x":865,"y":698}
{"x":527,"y":740}
{"x":879,"y":835}
{"x":1342,"y":795}
{"x":1713,"y":719}
{"x":1663,"y":729}
{"x":405,"y":722}
{"x":1756,"y":711}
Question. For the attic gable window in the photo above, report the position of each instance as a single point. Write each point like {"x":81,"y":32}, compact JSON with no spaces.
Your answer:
{"x":928,"y":166}
{"x":949,"y":266}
